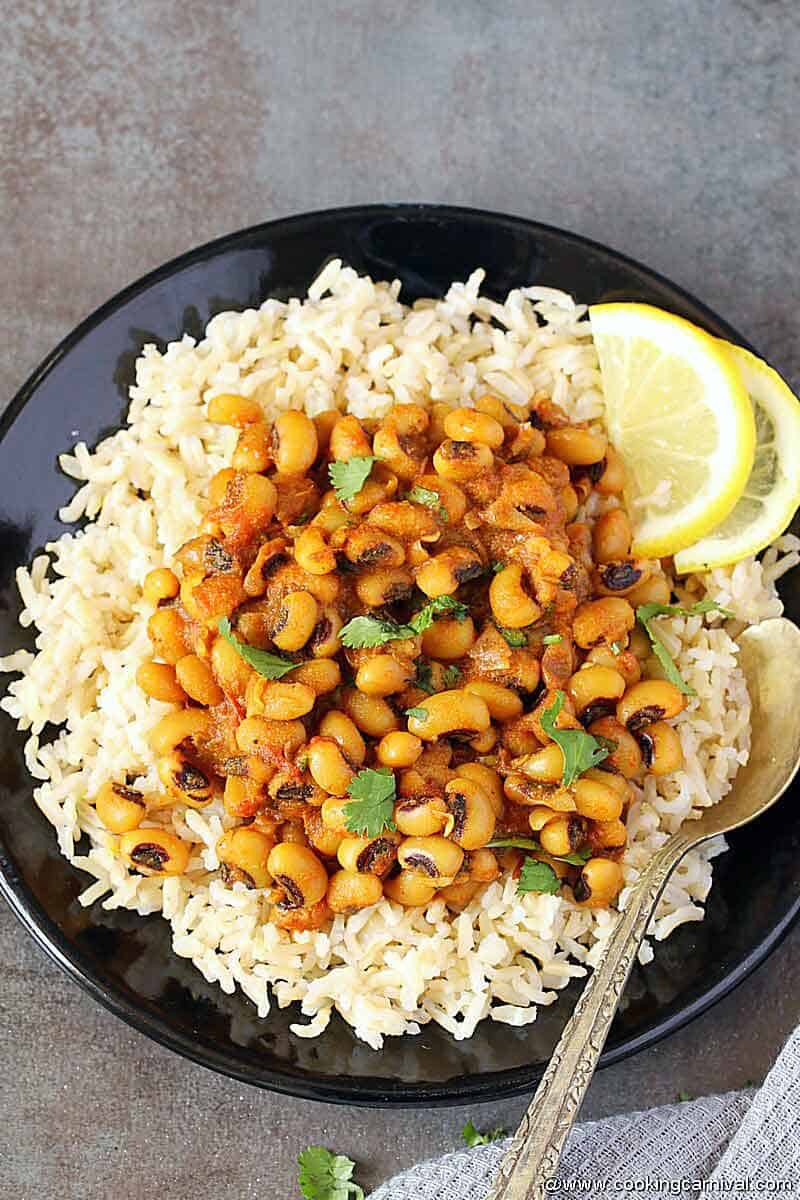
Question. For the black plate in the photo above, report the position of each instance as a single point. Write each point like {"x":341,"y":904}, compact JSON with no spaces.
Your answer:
{"x":124,"y":960}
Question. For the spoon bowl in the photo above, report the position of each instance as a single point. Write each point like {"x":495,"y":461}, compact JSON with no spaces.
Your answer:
{"x":769,"y":655}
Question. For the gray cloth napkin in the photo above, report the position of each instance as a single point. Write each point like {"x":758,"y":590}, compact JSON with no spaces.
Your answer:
{"x":741,"y":1143}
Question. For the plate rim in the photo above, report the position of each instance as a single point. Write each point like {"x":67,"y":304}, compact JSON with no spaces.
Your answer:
{"x":63,"y":952}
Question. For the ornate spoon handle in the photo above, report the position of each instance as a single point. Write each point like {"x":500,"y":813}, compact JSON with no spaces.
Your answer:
{"x":532,"y":1158}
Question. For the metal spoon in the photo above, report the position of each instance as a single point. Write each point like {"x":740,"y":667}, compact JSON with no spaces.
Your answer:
{"x":770,"y":658}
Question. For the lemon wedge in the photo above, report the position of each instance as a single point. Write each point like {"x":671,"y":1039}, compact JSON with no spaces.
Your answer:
{"x":678,"y":413}
{"x":772,"y":493}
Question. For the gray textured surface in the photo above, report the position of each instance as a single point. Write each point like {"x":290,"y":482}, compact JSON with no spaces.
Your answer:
{"x":132,"y":132}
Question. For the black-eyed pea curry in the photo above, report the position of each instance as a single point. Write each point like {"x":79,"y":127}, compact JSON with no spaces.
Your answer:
{"x":404,"y":663}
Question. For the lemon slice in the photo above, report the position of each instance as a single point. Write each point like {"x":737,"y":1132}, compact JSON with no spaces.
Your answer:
{"x":678,"y":413}
{"x":772,"y":493}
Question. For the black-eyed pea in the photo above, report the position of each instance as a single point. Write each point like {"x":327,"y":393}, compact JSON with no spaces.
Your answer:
{"x":410,"y":889}
{"x":243,"y":855}
{"x":185,"y":779}
{"x":421,"y":816}
{"x":383,"y":585}
{"x":293,"y":832}
{"x":185,"y":723}
{"x":333,"y":815}
{"x":312,"y":552}
{"x":302,"y":919}
{"x":295,"y":445}
{"x":503,"y":703}
{"x":229,"y":409}
{"x":540,"y":816}
{"x":462,"y":461}
{"x":544,"y":766}
{"x":322,"y":675}
{"x":595,"y":691}
{"x":253,"y":451}
{"x":371,"y":714}
{"x":348,"y":440}
{"x":511,"y":604}
{"x":626,"y":757}
{"x":451,"y":498}
{"x":379,"y":488}
{"x":281,"y":701}
{"x":350,"y":891}
{"x":609,"y":835}
{"x":563,"y":835}
{"x":639,"y":644}
{"x":607,"y":620}
{"x":623,"y":661}
{"x":611,"y":536}
{"x":458,"y":895}
{"x":365,"y":546}
{"x":596,"y":800}
{"x":649,"y":701}
{"x":297,"y":870}
{"x":471,"y":425}
{"x":230,"y":670}
{"x":159,"y":585}
{"x":487,"y":778}
{"x":293,"y":790}
{"x":158,"y":680}
{"x":531,"y":793}
{"x":324,"y":642}
{"x":196,"y":677}
{"x":169,"y":635}
{"x":451,"y":712}
{"x":383,"y":674}
{"x":321,"y":839}
{"x":373,"y":856}
{"x":653,"y":590}
{"x":623,"y":577}
{"x":328,"y":766}
{"x":612,"y":480}
{"x":337,"y":725}
{"x":565,"y":719}
{"x":599,"y":883}
{"x":265,"y":738}
{"x":443,"y":573}
{"x":243,"y":797}
{"x":323,"y":424}
{"x":297,"y":617}
{"x":219,"y":484}
{"x":120,"y":808}
{"x":472,"y":813}
{"x":661,"y":748}
{"x":449,"y":639}
{"x":484,"y":743}
{"x":406,"y":520}
{"x":435,"y":858}
{"x":398,"y":749}
{"x":576,"y":447}
{"x":482,"y":865}
{"x":155,"y":851}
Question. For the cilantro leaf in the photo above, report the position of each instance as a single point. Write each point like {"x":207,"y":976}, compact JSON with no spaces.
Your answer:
{"x":552,"y":639}
{"x":373,"y":793}
{"x":438,"y":607}
{"x":271,"y":666}
{"x":682,"y":1097}
{"x":515,"y":637}
{"x":645,"y":614}
{"x":327,"y":1176}
{"x":424,"y":677}
{"x":616,"y":649}
{"x":497,"y":567}
{"x":451,"y":677}
{"x":363,"y":632}
{"x":430,"y":499}
{"x":349,"y":477}
{"x":537,"y":876}
{"x":366,"y":632}
{"x":473,"y":1137}
{"x":581,"y":751}
{"x":420,"y":714}
{"x":522,"y":843}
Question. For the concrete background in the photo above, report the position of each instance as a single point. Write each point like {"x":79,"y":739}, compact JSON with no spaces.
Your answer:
{"x":666,"y":128}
